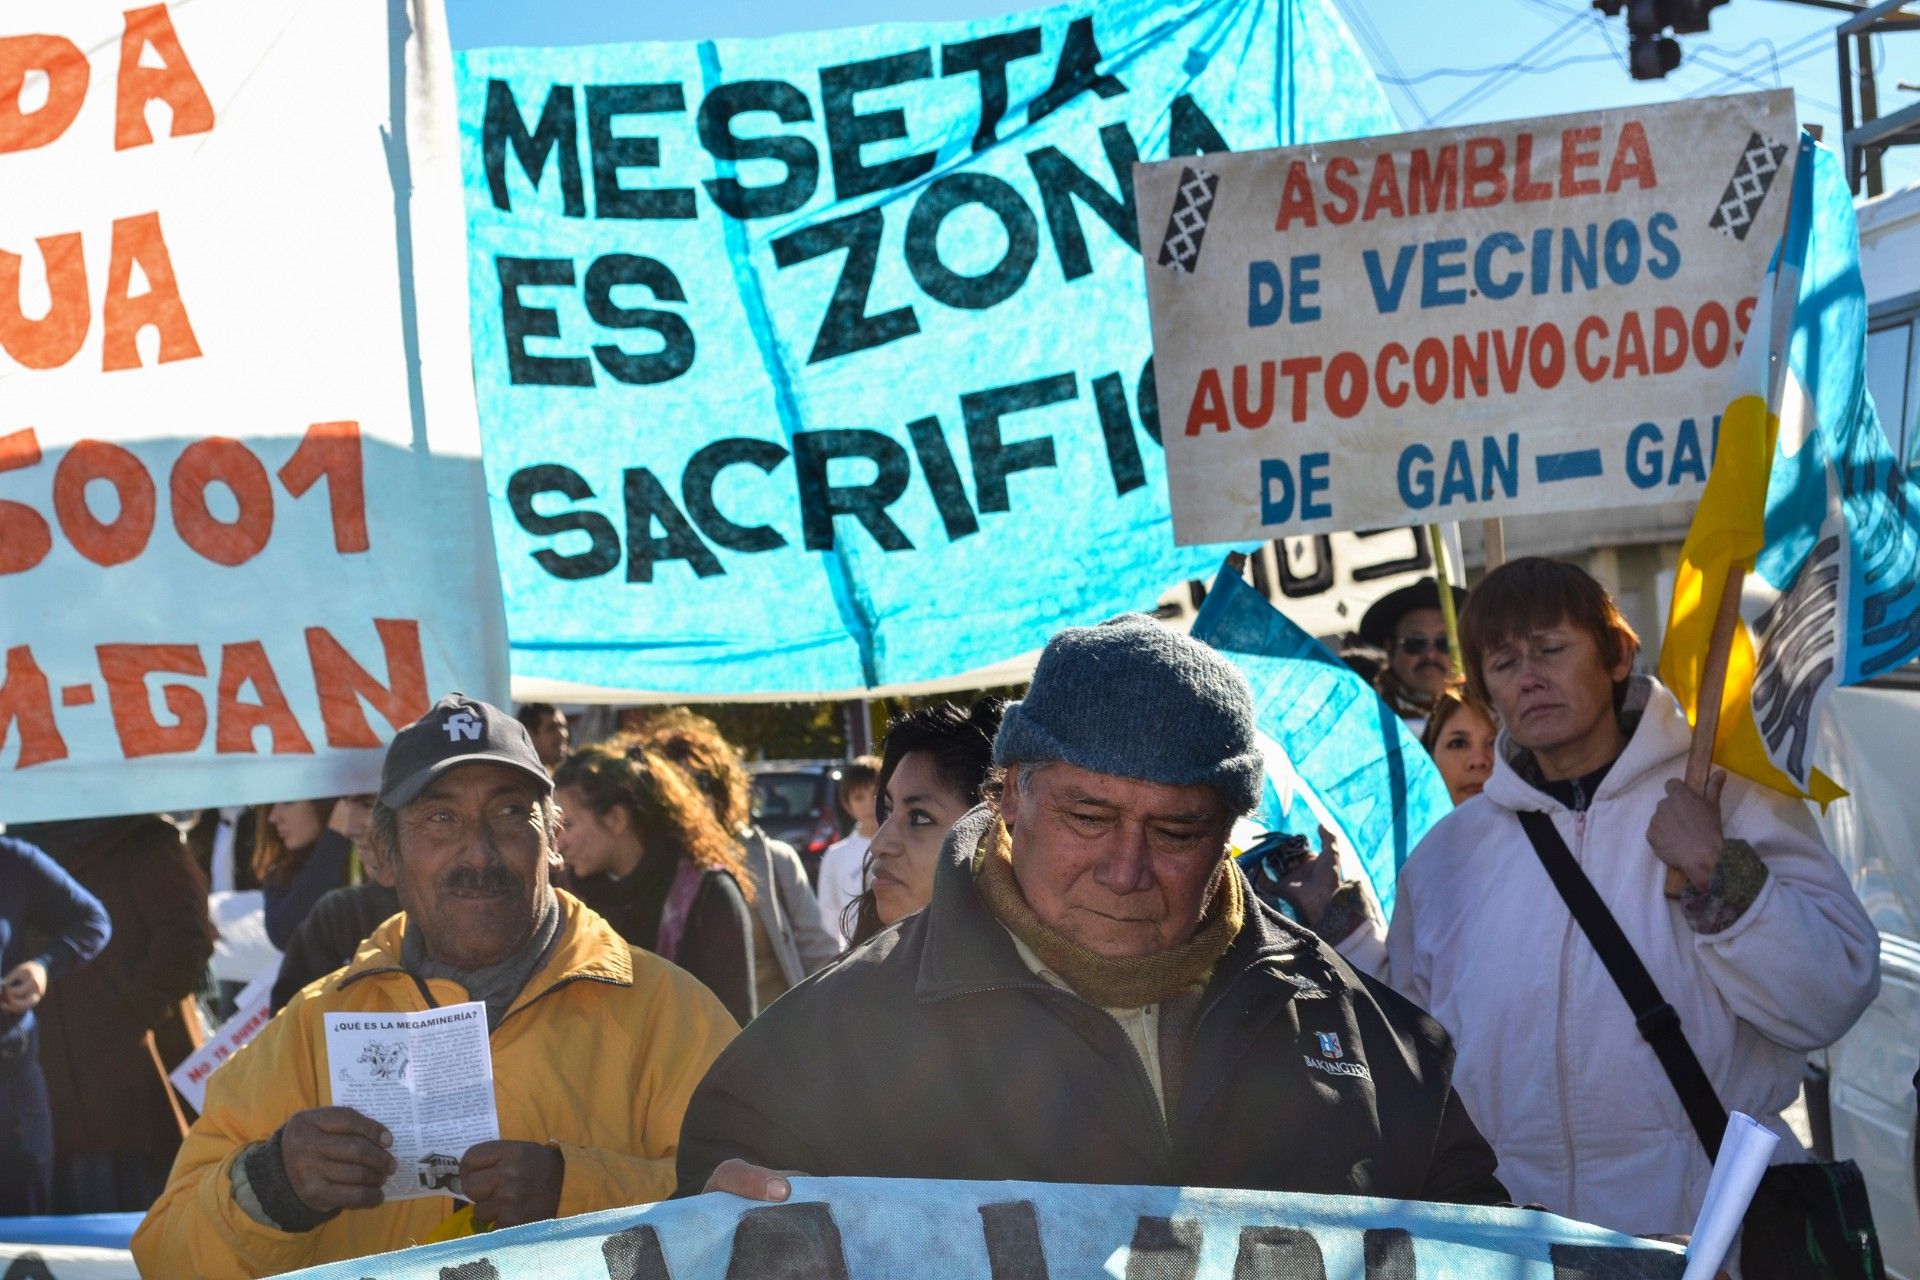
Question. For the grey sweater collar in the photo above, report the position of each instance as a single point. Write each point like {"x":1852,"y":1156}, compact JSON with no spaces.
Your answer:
{"x":496,"y":984}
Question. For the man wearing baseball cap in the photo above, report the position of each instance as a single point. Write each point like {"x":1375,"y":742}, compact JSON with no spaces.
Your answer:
{"x":596,"y":1046}
{"x":1094,"y":994}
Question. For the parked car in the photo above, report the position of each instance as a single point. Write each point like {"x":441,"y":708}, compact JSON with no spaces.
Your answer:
{"x":798,"y":801}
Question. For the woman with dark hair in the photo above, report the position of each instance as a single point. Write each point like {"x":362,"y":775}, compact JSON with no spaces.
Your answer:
{"x":934,"y":769}
{"x":643,"y":848}
{"x":302,"y":849}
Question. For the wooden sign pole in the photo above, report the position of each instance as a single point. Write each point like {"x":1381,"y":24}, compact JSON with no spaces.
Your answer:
{"x":1443,"y":577}
{"x":1494,"y":535}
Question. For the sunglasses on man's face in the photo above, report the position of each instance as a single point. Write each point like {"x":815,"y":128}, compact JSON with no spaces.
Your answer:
{"x":1414,"y":646}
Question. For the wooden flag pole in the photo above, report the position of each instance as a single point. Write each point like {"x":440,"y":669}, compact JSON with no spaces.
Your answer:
{"x":1713,"y":683}
{"x":1713,"y":671}
{"x":1494,"y":535}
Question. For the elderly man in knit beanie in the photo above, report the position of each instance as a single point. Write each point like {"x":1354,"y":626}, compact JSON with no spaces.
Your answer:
{"x":1093,"y":994}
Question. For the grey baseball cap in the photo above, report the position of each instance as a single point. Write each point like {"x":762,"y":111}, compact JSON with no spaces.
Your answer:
{"x":459,"y":730}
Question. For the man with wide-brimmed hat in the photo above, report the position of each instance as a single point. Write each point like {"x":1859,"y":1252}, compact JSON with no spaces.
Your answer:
{"x":595,"y":1046}
{"x":1094,"y":994}
{"x":1407,"y":625}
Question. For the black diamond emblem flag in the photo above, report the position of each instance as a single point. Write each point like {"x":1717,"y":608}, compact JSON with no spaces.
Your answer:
{"x":1747,"y":191}
{"x":1188,"y":225}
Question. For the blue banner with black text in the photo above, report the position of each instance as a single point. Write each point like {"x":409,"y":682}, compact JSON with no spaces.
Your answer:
{"x":821,"y":363}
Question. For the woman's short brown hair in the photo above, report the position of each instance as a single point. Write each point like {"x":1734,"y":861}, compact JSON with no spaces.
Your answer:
{"x":1532,"y":594}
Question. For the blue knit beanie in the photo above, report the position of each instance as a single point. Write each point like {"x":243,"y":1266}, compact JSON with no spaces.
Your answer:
{"x":1137,"y":700}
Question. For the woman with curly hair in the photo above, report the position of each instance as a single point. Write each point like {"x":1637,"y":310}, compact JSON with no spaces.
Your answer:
{"x":790,"y":937}
{"x":643,"y":848}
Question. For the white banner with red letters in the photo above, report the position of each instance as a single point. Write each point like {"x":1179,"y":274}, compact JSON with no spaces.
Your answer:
{"x":1491,"y":320}
{"x":243,"y":531}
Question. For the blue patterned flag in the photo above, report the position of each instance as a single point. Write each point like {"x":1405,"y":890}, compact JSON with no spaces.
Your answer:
{"x":1337,"y":756}
{"x":1806,"y":492}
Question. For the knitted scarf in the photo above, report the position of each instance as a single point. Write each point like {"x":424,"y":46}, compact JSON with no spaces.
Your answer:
{"x":1125,"y":983}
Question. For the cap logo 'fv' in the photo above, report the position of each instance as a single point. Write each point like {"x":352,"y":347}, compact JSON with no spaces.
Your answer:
{"x":461,"y":724}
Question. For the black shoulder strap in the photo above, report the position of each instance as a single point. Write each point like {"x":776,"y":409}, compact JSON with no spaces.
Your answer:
{"x":1659,"y":1024}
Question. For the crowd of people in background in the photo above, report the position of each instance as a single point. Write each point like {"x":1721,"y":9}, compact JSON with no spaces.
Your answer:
{"x":1763,"y":947}
{"x":102,"y":1021}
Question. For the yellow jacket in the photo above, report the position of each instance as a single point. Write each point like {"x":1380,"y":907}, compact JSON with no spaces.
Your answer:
{"x":597,"y":1056}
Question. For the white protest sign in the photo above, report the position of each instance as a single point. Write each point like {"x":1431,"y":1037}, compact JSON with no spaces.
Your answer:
{"x":907,"y":1228}
{"x":251,"y":1011}
{"x":243,"y":530}
{"x":1500,"y":319}
{"x":1323,"y":582}
{"x":241,"y":951}
{"x":426,"y":1076}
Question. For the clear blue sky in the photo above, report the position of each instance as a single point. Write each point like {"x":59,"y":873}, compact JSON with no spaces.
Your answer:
{"x":1520,"y":57}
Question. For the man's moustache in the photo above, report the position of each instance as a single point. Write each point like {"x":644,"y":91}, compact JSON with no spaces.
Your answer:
{"x":479,"y":880}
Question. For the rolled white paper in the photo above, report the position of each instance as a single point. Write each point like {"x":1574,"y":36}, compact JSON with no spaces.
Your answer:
{"x":1744,"y":1153}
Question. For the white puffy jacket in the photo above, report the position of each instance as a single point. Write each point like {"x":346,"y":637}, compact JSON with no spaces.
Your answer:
{"x":1550,"y":1063}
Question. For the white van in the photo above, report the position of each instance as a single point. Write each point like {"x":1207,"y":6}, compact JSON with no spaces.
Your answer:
{"x":1866,"y":1111}
{"x":1890,"y":269}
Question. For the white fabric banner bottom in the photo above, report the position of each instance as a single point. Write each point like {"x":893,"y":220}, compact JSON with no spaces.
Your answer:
{"x":65,"y":1262}
{"x":893,"y":1229}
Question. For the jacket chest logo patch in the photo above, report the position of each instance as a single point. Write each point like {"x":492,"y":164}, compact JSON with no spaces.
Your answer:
{"x":1329,"y":1056}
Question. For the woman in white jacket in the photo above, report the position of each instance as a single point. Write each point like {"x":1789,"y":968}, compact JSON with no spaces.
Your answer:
{"x":1766,"y":955}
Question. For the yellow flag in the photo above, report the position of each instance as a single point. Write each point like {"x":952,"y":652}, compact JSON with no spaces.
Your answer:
{"x":455,"y":1226}
{"x":1729,"y":528}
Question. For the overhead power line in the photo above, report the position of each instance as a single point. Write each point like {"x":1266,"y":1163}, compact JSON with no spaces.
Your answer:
{"x":1524,"y":68}
{"x":1811,"y":45}
{"x":1361,"y":24}
{"x":1517,"y":68}
{"x":1487,"y":88}
{"x":1606,"y":33}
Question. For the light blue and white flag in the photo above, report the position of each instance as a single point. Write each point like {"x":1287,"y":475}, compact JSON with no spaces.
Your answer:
{"x":1832,"y":595}
{"x":1337,"y":756}
{"x":821,"y":363}
{"x":913,"y":1229}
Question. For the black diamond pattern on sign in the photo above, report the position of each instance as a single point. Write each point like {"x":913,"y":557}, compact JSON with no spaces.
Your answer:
{"x":1747,"y":190}
{"x":1188,"y":225}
